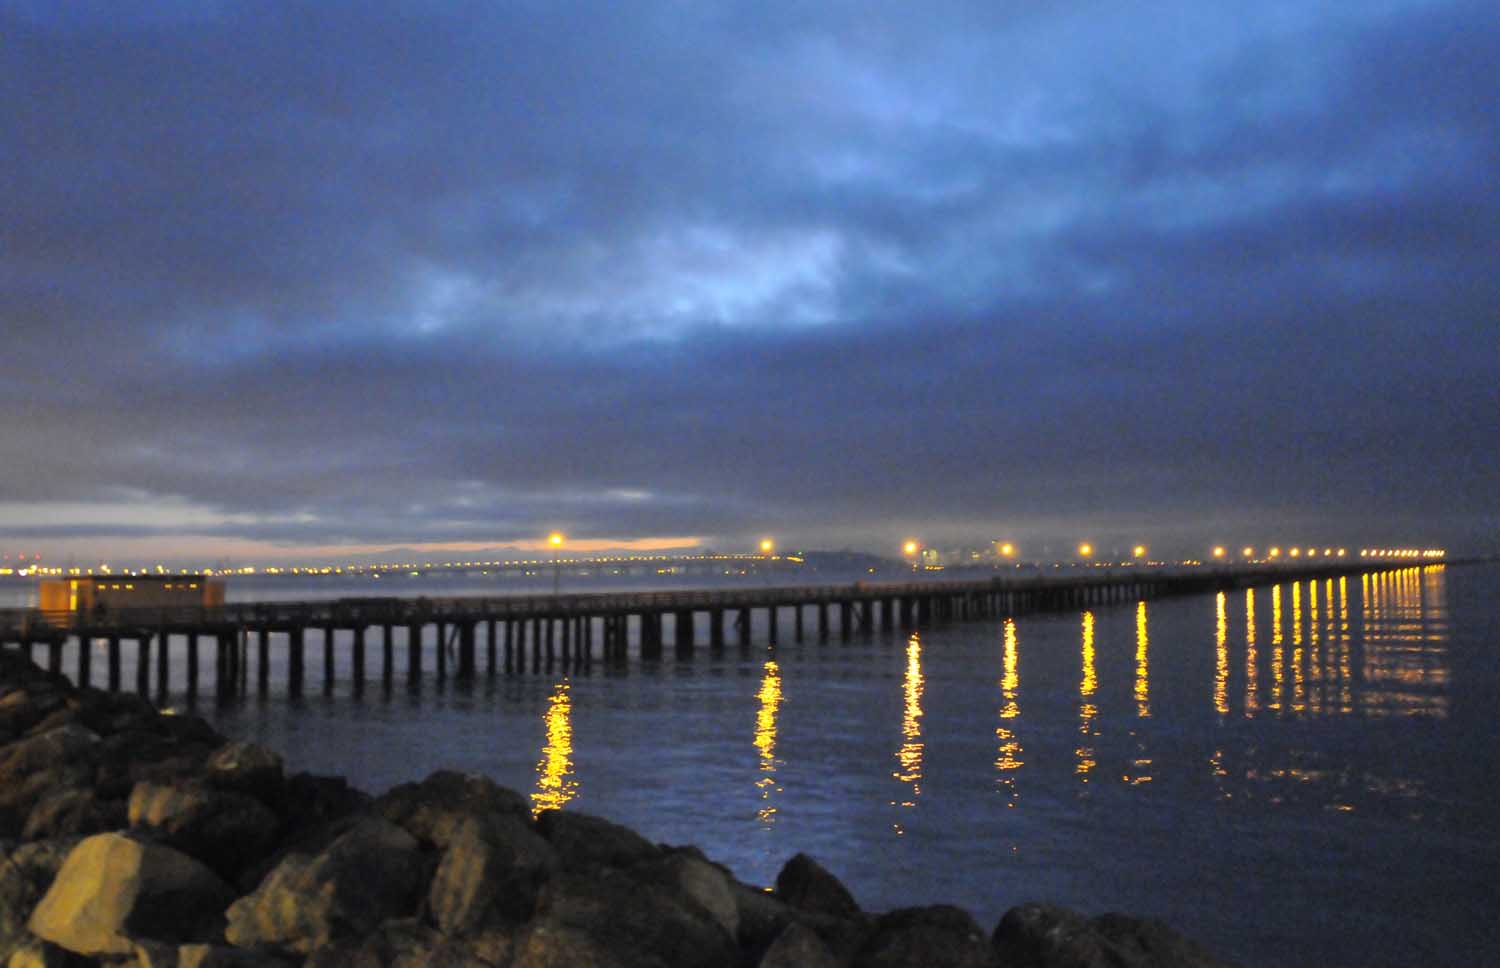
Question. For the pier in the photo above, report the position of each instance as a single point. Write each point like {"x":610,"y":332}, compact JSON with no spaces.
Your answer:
{"x":464,"y":638}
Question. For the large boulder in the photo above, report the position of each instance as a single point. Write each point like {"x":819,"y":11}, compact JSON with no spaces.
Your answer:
{"x":222,"y":828}
{"x":584,"y":842}
{"x":247,"y":768}
{"x":308,"y":801}
{"x":490,"y":871}
{"x":372,"y":872}
{"x":1046,"y":936}
{"x":113,"y":889}
{"x":634,"y":922}
{"x":26,"y":871}
{"x":694,"y":881}
{"x":36,"y":953}
{"x":798,"y":946}
{"x":65,"y":744}
{"x":406,"y":943}
{"x":434,"y":809}
{"x":940,"y":936}
{"x":23,"y":707}
{"x":72,"y":812}
{"x":804,"y":884}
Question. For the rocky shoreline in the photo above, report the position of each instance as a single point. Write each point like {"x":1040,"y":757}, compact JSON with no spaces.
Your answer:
{"x":132,"y":837}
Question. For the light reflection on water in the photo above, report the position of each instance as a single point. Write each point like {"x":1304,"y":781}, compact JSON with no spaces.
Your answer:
{"x":1250,"y":766}
{"x":556,"y":784}
{"x":909,"y":756}
{"x":765,"y":740}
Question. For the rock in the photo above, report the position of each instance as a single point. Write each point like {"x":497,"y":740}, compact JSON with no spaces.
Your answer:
{"x":221,"y":956}
{"x":371,"y":873}
{"x":548,"y":945}
{"x":797,"y":946}
{"x":404,"y":943}
{"x":695,"y":881}
{"x":762,"y":916}
{"x":25,"y":874}
{"x":23,"y":708}
{"x":637,"y":923}
{"x":583,"y":841}
{"x":36,"y":953}
{"x":72,"y":813}
{"x":224,"y":829}
{"x":20,"y":795}
{"x":311,"y":801}
{"x":939,"y":936}
{"x":66,"y":744}
{"x":805,"y":885}
{"x":113,"y":889}
{"x":433,"y":809}
{"x":1045,"y":936}
{"x":490,"y":870}
{"x":247,"y":768}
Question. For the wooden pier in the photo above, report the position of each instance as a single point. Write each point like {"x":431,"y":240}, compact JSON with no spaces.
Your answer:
{"x":467,"y":637}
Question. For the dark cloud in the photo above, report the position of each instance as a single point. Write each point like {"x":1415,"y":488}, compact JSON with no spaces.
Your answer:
{"x":328,"y":273}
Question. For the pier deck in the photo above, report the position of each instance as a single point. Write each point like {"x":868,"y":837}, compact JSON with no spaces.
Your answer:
{"x":578,"y":628}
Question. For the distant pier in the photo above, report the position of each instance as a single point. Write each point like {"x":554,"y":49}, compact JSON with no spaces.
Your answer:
{"x":467,"y":637}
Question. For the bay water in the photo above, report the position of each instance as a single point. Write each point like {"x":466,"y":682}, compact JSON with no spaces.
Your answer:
{"x":1298,"y":774}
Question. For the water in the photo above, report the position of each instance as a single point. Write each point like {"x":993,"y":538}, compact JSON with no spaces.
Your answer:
{"x":1295,"y":775}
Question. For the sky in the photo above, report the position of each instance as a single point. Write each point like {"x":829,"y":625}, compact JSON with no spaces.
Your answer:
{"x":291,"y":280}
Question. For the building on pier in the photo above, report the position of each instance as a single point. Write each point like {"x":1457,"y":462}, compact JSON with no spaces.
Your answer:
{"x":94,"y":593}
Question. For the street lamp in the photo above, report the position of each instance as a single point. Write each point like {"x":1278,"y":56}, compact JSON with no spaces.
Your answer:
{"x":910,"y":549}
{"x":766,"y":546}
{"x":1139,"y":551}
{"x":555,"y":539}
{"x":1085,"y":550}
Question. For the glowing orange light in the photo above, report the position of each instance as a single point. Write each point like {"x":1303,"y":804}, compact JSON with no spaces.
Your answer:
{"x":1247,"y":552}
{"x":766,"y":544}
{"x":1007,"y":549}
{"x":1085,"y":550}
{"x":555,"y":539}
{"x":1218,"y":551}
{"x":910,"y":547}
{"x":1139,"y":551}
{"x":1275,"y":552}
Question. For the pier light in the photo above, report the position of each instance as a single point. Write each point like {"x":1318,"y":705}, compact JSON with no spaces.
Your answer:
{"x":1139,"y":551}
{"x":1312,"y":552}
{"x":556,"y":539}
{"x":910,"y":548}
{"x":1008,"y":550}
{"x":1274,"y":553}
{"x":1327,"y":552}
{"x":1247,"y":552}
{"x":1295,"y":552}
{"x":1085,"y":550}
{"x":1218,"y":551}
{"x":1342,"y":552}
{"x":767,"y":546}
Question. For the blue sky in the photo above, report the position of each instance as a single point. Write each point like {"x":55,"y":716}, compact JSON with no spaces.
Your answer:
{"x":286,"y":279}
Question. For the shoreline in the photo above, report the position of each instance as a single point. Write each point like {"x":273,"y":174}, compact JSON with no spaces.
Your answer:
{"x":133,"y":837}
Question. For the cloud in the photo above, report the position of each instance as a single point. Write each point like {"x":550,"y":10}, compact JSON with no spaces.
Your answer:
{"x":384,"y":274}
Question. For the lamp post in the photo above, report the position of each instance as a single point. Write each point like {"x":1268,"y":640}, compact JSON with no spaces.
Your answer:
{"x":555,"y":539}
